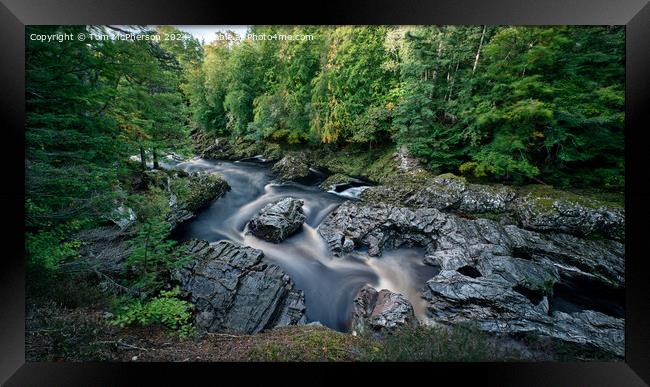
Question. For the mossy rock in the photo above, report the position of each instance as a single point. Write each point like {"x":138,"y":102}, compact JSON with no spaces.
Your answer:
{"x":543,"y":208}
{"x":337,"y":178}
{"x":376,"y":165}
{"x":293,"y":167}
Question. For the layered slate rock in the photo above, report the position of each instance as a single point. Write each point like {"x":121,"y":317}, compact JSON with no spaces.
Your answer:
{"x":379,"y":311}
{"x":234,"y":289}
{"x":445,"y":192}
{"x":278,"y":220}
{"x":496,"y":306}
{"x":500,"y":276}
{"x":573,"y":215}
{"x":292,"y":167}
{"x":540,"y":208}
{"x":452,"y":241}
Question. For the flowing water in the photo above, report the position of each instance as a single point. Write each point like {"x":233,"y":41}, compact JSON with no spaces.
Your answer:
{"x":329,"y":283}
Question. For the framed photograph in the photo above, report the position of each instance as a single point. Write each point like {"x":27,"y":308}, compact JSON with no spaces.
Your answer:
{"x":375,"y":188}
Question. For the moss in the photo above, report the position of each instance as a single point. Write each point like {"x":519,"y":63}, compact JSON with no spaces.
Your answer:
{"x":273,"y":152}
{"x":451,"y":176}
{"x":375,"y":165}
{"x":545,"y":196}
{"x":307,"y":344}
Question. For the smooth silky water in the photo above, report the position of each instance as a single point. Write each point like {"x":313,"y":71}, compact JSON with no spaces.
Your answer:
{"x":329,"y":283}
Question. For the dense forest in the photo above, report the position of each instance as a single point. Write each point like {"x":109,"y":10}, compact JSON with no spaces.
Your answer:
{"x":514,"y":105}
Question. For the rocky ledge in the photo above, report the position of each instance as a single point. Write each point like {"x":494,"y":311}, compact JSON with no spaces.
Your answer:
{"x":500,"y":276}
{"x":380,"y":311}
{"x":538,"y":208}
{"x":499,"y":305}
{"x":278,"y":220}
{"x":234,"y":289}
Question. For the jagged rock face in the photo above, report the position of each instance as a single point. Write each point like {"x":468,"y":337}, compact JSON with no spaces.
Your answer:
{"x":546,"y":210}
{"x":452,"y":241}
{"x":550,"y":214}
{"x":445,"y":192}
{"x":202,"y":189}
{"x":292,"y":167}
{"x":276,"y":221}
{"x":498,"y":276}
{"x":234,"y":289}
{"x":497,"y":306}
{"x":383,"y":310}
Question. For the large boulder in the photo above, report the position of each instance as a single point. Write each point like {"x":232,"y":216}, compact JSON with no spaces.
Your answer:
{"x":292,"y":167}
{"x":278,"y":220}
{"x":380,"y":311}
{"x":234,"y":289}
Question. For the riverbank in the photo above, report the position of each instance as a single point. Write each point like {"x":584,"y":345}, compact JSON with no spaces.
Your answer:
{"x":405,"y":205}
{"x":58,"y":333}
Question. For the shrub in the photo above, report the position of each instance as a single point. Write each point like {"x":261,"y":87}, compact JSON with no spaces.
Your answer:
{"x":166,"y":309}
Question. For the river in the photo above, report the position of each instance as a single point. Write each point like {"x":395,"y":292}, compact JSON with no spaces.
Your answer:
{"x":329,"y":283}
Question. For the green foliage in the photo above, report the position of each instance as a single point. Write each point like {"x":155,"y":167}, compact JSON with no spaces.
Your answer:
{"x":166,"y":309}
{"x":45,"y":251}
{"x":152,"y":255}
{"x":506,"y":103}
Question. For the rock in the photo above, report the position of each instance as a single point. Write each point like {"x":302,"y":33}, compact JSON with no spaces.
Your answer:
{"x":452,"y":242}
{"x":355,"y":224}
{"x":124,"y":217}
{"x":221,"y":148}
{"x":336,"y":179}
{"x":556,"y":211}
{"x":444,"y":192}
{"x":273,"y":152}
{"x":602,"y":260}
{"x":292,"y":167}
{"x":541,"y":209}
{"x":234,"y":289}
{"x":500,"y":277}
{"x":496,"y":306}
{"x":190,"y":194}
{"x":383,"y":310}
{"x":276,"y":221}
{"x":105,"y":248}
{"x":406,"y":162}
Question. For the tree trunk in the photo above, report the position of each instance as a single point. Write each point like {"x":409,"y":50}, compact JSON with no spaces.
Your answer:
{"x":478,"y":52}
{"x":155,"y":159}
{"x":143,"y":161}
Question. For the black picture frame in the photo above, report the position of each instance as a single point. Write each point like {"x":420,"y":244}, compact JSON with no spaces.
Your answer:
{"x":634,"y":14}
